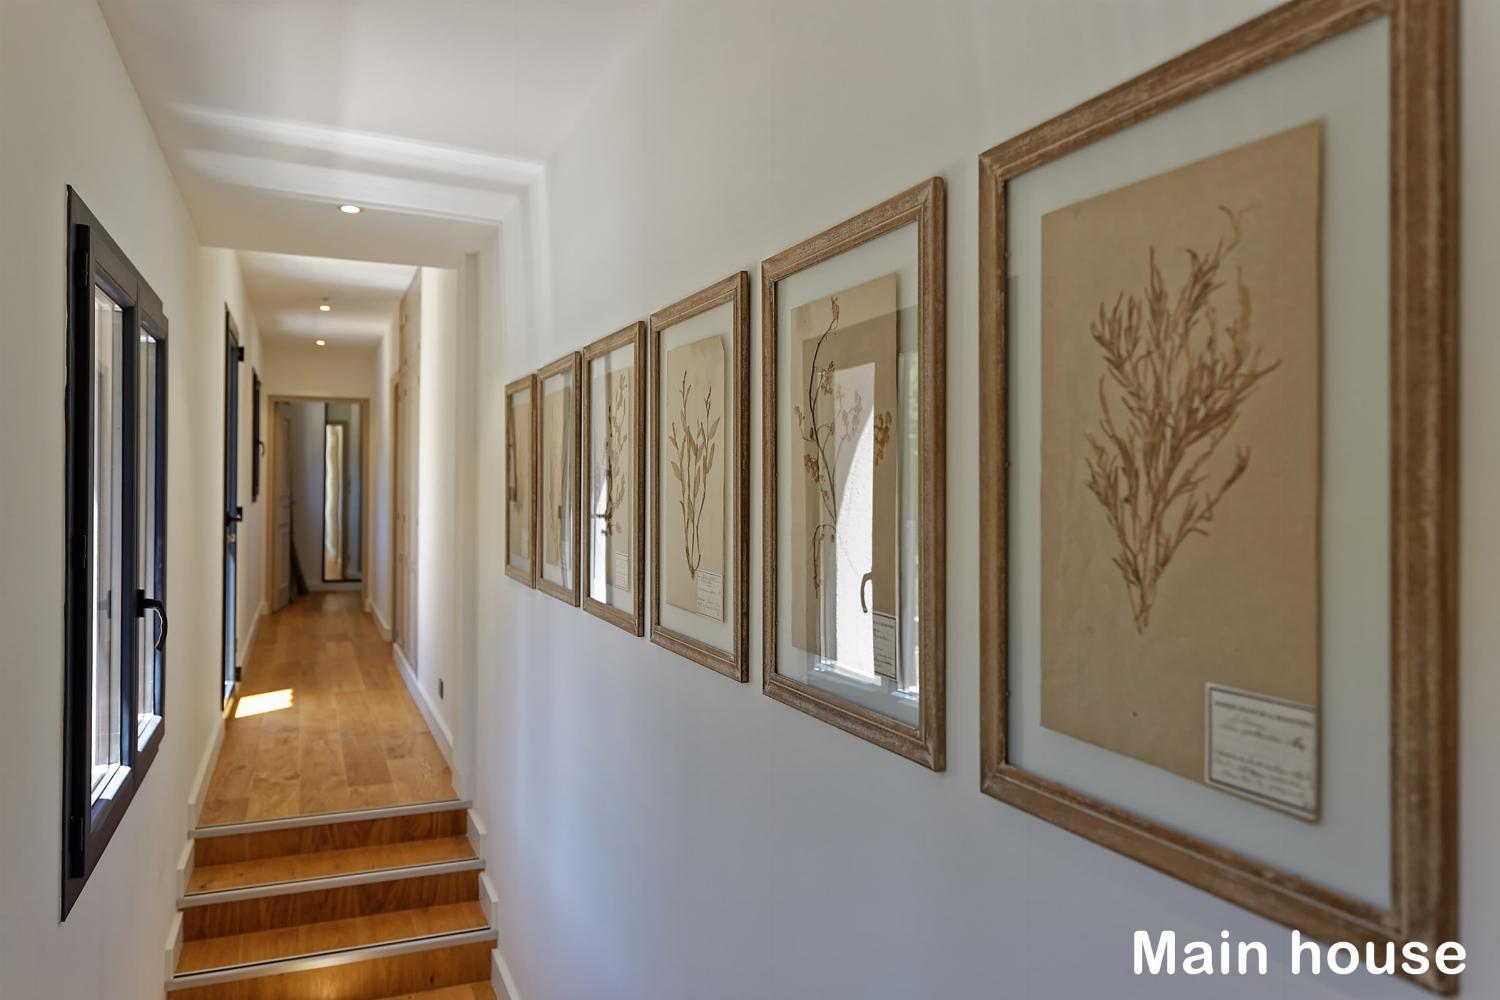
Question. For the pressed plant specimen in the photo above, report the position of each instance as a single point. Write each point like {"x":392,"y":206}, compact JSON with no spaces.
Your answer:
{"x":829,"y":426}
{"x":557,"y":476}
{"x":1182,"y":377}
{"x":695,"y":445}
{"x":616,"y":439}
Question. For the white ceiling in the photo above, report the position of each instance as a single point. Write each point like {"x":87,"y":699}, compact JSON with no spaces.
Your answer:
{"x":432,"y":114}
{"x":286,"y":290}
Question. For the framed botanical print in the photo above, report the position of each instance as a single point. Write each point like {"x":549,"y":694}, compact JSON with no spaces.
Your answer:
{"x":558,"y":420}
{"x":853,"y":335}
{"x":614,"y":478}
{"x":520,"y":479}
{"x":1217,"y":468}
{"x":700,"y":476}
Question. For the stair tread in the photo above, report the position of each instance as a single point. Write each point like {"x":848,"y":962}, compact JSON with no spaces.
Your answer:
{"x":330,"y":935}
{"x":332,"y":833}
{"x":322,"y":864}
{"x":469,"y":991}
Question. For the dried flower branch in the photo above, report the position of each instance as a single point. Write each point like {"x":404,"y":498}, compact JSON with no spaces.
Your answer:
{"x":616,"y":438}
{"x":830,"y":424}
{"x":695,"y":448}
{"x":1182,"y":380}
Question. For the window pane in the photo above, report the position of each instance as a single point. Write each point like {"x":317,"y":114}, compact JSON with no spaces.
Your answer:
{"x":149,"y":572}
{"x":109,"y":326}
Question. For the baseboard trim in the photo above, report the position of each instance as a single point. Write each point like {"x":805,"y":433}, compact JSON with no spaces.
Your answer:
{"x":185,"y":866}
{"x":242,"y":654}
{"x":381,"y":625}
{"x":488,"y":898}
{"x":441,"y":734}
{"x":206,"y":766}
{"x":174,"y":944}
{"x":501,"y":981}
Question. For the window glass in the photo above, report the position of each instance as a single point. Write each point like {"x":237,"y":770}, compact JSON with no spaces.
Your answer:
{"x":150,"y":571}
{"x":104,"y":532}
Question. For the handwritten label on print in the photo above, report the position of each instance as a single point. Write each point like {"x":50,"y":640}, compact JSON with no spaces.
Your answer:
{"x":710,"y":595}
{"x":1262,"y":748}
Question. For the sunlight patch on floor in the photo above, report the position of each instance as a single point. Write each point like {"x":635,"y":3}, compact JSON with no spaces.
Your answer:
{"x":260,"y":704}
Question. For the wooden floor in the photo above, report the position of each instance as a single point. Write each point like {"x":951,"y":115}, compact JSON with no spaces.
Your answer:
{"x":323,"y":722}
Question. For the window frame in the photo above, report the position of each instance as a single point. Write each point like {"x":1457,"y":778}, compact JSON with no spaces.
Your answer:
{"x":95,"y":261}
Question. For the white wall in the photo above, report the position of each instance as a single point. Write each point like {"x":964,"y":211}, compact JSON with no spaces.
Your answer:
{"x":68,"y":114}
{"x":438,"y":581}
{"x":223,"y":286}
{"x":381,"y":505}
{"x":659,"y":832}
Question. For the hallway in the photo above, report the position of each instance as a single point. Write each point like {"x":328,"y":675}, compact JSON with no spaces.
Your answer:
{"x":332,"y":853}
{"x":748,"y":499}
{"x":322,"y":723}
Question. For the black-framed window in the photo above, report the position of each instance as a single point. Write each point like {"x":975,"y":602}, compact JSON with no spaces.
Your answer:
{"x":115,"y":602}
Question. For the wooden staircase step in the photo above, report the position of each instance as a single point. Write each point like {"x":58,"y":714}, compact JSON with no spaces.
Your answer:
{"x":326,"y":936}
{"x":330,"y":832}
{"x":393,"y":970}
{"x":325,"y":864}
{"x":468,"y":991}
{"x":224,"y":918}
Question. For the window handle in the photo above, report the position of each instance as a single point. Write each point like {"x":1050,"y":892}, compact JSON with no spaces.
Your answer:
{"x":238,"y":515}
{"x":145,"y":604}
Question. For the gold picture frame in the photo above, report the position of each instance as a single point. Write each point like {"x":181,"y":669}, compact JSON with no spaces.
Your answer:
{"x":567,"y":480}
{"x":527,"y":384}
{"x":924,"y":207}
{"x":1423,"y":474}
{"x":731,"y":658}
{"x":632,"y":450}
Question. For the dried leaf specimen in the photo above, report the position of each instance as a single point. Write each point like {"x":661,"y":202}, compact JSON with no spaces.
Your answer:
{"x":695,"y":445}
{"x":613,"y":471}
{"x":1182,"y":378}
{"x":693,"y":438}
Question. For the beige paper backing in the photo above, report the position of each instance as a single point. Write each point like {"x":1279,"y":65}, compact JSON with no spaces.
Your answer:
{"x":1239,"y":605}
{"x":518,"y":474}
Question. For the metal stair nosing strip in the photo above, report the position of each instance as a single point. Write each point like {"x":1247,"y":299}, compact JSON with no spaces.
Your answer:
{"x":314,"y":883}
{"x":329,"y":959}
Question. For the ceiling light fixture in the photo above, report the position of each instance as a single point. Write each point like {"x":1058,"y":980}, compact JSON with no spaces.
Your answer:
{"x":325,"y":307}
{"x":321,"y":343}
{"x":350,"y":209}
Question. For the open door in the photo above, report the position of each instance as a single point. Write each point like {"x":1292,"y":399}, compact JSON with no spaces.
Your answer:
{"x":233,"y":512}
{"x":281,"y":558}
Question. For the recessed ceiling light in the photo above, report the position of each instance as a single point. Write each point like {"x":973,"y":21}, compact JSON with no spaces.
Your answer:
{"x":325,"y":307}
{"x":321,"y":343}
{"x":350,"y":209}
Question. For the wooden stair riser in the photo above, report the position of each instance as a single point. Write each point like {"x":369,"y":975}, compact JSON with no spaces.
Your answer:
{"x":376,"y":979}
{"x":330,"y":836}
{"x":320,"y":905}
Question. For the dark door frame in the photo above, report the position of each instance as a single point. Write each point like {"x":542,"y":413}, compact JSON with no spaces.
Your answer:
{"x":234,"y":514}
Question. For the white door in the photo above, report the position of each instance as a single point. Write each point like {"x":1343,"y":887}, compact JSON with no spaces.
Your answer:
{"x":281,"y":592}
